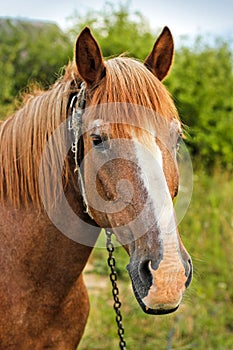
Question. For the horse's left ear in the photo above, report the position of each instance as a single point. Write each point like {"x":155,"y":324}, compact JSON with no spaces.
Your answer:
{"x":160,"y":59}
{"x":88,"y":58}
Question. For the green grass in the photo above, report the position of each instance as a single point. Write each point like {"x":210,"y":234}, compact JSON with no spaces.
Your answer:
{"x":205,"y":318}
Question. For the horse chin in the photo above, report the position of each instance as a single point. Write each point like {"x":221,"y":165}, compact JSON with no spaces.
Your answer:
{"x":149,"y":311}
{"x":159,"y":311}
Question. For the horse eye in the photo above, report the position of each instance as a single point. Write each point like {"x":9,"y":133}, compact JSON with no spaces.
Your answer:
{"x":98,"y":142}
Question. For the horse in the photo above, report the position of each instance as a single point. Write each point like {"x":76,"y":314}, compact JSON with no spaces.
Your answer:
{"x":96,"y":150}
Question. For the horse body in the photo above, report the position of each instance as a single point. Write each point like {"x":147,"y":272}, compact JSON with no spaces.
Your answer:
{"x":44,"y":303}
{"x":126,"y":165}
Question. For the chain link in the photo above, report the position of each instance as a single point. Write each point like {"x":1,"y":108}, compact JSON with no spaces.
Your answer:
{"x":115,"y":291}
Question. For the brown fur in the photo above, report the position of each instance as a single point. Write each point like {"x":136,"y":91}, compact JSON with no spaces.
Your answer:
{"x":44,"y":304}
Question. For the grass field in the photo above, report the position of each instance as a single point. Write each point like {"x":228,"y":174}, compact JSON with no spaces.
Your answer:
{"x":205,"y":319}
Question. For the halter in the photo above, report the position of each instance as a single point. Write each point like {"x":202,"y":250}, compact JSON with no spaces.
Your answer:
{"x":77,"y":107}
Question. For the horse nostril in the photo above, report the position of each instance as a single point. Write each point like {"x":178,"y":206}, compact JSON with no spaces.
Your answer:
{"x":189,"y":273}
{"x":145,"y":274}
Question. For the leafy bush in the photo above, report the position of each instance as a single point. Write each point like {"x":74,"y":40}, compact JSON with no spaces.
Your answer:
{"x":117,"y":30}
{"x":29,"y":52}
{"x":202,"y":84}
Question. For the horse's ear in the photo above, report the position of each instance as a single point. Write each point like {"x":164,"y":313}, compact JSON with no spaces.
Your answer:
{"x":88,"y":58}
{"x":160,"y":59}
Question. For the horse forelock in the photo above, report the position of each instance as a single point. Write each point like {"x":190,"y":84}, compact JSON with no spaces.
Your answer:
{"x":128,"y":81}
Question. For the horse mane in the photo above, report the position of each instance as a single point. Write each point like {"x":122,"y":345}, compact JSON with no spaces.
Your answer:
{"x":24,"y":134}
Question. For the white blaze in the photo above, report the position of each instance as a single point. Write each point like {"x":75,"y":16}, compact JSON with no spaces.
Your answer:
{"x":151,"y":164}
{"x":168,"y":280}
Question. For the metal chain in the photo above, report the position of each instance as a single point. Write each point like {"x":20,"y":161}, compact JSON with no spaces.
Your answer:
{"x":115,"y":290}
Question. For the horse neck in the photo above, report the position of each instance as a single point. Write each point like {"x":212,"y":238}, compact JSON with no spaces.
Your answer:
{"x":48,"y":257}
{"x":73,"y":233}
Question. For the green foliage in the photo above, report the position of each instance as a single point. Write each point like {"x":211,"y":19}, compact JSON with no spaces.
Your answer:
{"x":29,"y":52}
{"x":117,"y":30}
{"x":202,"y":85}
{"x":204,"y":320}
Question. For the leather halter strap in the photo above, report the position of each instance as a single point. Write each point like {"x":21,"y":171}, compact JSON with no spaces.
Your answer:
{"x":77,"y":107}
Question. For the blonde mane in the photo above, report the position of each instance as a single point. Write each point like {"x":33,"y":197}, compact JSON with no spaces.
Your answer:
{"x":23,"y":135}
{"x":22,"y":139}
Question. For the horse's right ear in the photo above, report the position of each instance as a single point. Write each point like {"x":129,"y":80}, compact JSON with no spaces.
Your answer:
{"x":88,"y":58}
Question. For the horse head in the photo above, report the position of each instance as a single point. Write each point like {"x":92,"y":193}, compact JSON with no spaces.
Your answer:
{"x":131,"y":130}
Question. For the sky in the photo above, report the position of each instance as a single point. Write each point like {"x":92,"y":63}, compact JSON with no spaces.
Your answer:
{"x":181,"y":16}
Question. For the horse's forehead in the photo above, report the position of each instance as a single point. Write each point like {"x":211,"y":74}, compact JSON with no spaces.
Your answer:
{"x":163,"y":129}
{"x":126,"y":113}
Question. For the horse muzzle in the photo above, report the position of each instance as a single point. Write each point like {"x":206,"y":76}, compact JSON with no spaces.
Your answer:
{"x":159,"y":287}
